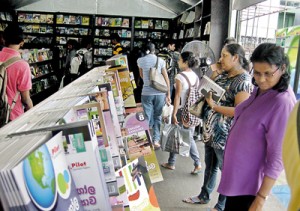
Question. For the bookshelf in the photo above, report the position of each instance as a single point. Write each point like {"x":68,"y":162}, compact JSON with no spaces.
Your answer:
{"x":5,"y":19}
{"x":104,"y":26}
{"x":154,"y":29}
{"x":193,"y":24}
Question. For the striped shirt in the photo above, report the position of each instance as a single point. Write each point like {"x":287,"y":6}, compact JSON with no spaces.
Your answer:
{"x":145,"y":63}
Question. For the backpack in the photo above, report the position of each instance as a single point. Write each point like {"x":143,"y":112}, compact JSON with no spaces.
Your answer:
{"x":165,"y":55}
{"x":82,"y":62}
{"x":194,"y":94}
{"x":5,"y":108}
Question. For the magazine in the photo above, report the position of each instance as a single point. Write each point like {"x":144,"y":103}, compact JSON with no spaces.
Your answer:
{"x":207,"y":85}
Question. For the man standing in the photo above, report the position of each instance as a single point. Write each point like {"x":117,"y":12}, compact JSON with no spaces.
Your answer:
{"x":18,"y":74}
{"x":171,"y":57}
{"x":115,"y":40}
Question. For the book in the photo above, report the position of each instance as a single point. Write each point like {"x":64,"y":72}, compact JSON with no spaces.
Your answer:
{"x":112,"y":22}
{"x":118,"y":22}
{"x":21,"y":17}
{"x":85,"y":21}
{"x":207,"y":85}
{"x":145,"y":24}
{"x":165,"y":25}
{"x":36,"y":18}
{"x":60,"y":19}
{"x":98,"y":21}
{"x":43,"y":181}
{"x":78,"y":19}
{"x":43,"y":18}
{"x":28,"y":18}
{"x":158,"y":24}
{"x":125,"y":22}
{"x":50,"y":18}
{"x":151,"y":25}
{"x":72,"y":19}
{"x":137,"y":24}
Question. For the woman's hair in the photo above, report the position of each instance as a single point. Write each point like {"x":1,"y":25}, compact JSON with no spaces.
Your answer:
{"x":13,"y":34}
{"x":273,"y":55}
{"x":237,"y":49}
{"x":74,"y":43}
{"x":189,"y":57}
{"x":229,"y":40}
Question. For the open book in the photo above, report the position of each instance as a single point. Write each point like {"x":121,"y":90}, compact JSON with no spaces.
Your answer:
{"x":207,"y":85}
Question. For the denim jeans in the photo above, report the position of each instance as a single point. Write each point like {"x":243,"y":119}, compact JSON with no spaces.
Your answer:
{"x":193,"y":147}
{"x":153,"y":105}
{"x":213,"y":162}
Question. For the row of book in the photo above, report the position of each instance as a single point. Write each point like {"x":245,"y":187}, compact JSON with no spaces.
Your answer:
{"x":72,"y":31}
{"x":39,"y":70}
{"x":30,"y":39}
{"x":35,"y":18}
{"x":90,"y":136}
{"x":152,"y":24}
{"x":35,"y":28}
{"x":5,"y":16}
{"x":73,"y":19}
{"x":43,"y":84}
{"x":36,"y":55}
{"x":112,"y":22}
{"x":152,"y":35}
{"x":103,"y":51}
{"x":107,"y":32}
{"x":63,"y":40}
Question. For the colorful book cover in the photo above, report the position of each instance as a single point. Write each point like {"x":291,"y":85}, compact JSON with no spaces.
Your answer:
{"x":43,"y":18}
{"x":35,"y":28}
{"x":50,"y":18}
{"x":72,"y":19}
{"x":85,"y":20}
{"x":158,"y":24}
{"x":165,"y":25}
{"x":36,"y":18}
{"x":140,"y":191}
{"x":78,"y":19}
{"x":112,"y":22}
{"x":105,"y":21}
{"x":118,"y":22}
{"x":98,"y":21}
{"x":125,"y":22}
{"x":151,"y":25}
{"x":28,"y":18}
{"x":60,"y":19}
{"x":145,"y":24}
{"x":21,"y":17}
{"x":137,"y":24}
{"x":44,"y":180}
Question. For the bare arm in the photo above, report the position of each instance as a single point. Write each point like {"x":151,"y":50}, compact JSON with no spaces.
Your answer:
{"x":176,"y":100}
{"x":165,"y":75}
{"x":264,"y":191}
{"x":26,"y":100}
{"x":227,"y":111}
{"x":141,"y":72}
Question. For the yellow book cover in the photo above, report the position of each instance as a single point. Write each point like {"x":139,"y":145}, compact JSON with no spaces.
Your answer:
{"x":59,"y":19}
{"x":85,"y":20}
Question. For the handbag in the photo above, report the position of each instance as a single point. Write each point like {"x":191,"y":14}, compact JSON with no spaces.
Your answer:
{"x":172,"y":137}
{"x":157,"y":80}
{"x":197,"y":108}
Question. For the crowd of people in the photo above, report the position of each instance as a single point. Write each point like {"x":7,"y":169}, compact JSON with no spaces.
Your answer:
{"x":243,"y":132}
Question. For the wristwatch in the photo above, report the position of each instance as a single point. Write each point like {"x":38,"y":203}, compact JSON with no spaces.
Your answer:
{"x":262,"y":196}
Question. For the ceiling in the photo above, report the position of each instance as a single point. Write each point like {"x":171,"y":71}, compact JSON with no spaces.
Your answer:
{"x":15,"y":4}
{"x":178,"y":6}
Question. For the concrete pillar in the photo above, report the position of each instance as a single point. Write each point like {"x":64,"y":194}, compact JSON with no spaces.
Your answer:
{"x":219,"y":25}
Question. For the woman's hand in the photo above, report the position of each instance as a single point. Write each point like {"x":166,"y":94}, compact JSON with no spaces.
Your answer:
{"x":174,"y":119}
{"x":257,"y":204}
{"x":168,"y":100}
{"x":209,"y":100}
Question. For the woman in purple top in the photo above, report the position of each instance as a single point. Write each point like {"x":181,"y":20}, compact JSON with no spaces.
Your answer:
{"x":253,"y":159}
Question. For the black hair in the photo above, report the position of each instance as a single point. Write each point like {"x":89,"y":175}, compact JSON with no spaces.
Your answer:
{"x":115,"y":36}
{"x":13,"y":34}
{"x":150,"y":47}
{"x":273,"y":55}
{"x":189,"y":57}
{"x":86,"y":41}
{"x":229,"y":40}
{"x":73,"y":42}
{"x":171,"y":42}
{"x":237,"y":49}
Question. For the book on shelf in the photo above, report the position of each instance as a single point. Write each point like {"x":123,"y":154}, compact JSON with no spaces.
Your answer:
{"x":72,"y":19}
{"x":50,"y":18}
{"x":145,"y":24}
{"x":78,"y":20}
{"x":151,"y":25}
{"x":208,"y":85}
{"x":21,"y":17}
{"x":105,"y":22}
{"x":190,"y":18}
{"x":137,"y":24}
{"x":181,"y":34}
{"x":43,"y":18}
{"x":118,"y":22}
{"x":183,"y":17}
{"x":60,"y":19}
{"x":165,"y":24}
{"x":125,"y":22}
{"x":98,"y":21}
{"x":158,"y":24}
{"x":38,"y":177}
{"x":28,"y":18}
{"x":36,"y":18}
{"x":112,"y":22}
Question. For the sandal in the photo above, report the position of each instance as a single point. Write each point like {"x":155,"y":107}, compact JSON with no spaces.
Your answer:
{"x":156,"y":146}
{"x":194,"y":200}
{"x":196,"y":171}
{"x":167,"y":166}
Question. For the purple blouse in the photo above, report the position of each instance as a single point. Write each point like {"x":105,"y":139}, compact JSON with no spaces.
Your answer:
{"x":254,"y":144}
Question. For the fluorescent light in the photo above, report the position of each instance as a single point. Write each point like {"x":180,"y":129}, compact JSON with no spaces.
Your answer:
{"x":159,"y":5}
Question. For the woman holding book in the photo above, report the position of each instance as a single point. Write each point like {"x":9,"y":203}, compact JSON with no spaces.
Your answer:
{"x":253,"y":155}
{"x":218,"y":117}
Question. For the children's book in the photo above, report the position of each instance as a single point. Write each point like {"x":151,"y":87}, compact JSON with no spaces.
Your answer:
{"x":125,"y":22}
{"x":43,"y":18}
{"x":137,"y":24}
{"x":60,"y":19}
{"x":85,"y":20}
{"x":158,"y":24}
{"x":165,"y":25}
{"x":118,"y":22}
{"x":145,"y":24}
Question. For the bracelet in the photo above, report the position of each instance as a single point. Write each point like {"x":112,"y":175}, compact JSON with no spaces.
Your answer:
{"x":261,"y":196}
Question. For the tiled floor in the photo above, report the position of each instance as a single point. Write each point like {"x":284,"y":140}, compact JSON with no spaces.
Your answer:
{"x":179,"y":184}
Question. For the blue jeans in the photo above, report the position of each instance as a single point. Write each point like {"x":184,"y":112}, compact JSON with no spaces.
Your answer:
{"x":193,"y":147}
{"x":213,"y":162}
{"x":153,"y":105}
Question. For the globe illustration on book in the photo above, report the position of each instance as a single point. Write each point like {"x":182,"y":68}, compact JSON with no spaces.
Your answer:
{"x":39,"y":177}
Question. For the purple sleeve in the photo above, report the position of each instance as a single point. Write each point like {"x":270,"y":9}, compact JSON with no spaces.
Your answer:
{"x":274,"y":136}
